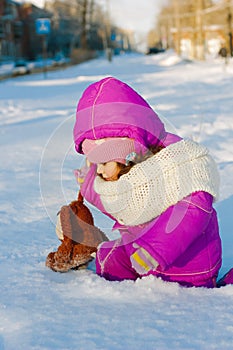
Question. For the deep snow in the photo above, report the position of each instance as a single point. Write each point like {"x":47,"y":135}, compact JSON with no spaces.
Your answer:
{"x":40,"y":309}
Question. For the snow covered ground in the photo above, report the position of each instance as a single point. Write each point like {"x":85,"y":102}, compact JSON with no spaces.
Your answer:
{"x":40,"y":309}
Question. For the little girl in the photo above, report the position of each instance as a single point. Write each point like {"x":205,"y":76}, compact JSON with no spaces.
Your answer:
{"x":157,"y":187}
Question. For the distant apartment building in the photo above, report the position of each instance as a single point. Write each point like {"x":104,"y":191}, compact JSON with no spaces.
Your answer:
{"x":18,"y":37}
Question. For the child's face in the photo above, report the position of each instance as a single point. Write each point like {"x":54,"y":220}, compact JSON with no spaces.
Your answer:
{"x":109,"y":171}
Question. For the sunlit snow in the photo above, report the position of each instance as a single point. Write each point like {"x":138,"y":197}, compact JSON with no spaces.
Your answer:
{"x":41,"y":309}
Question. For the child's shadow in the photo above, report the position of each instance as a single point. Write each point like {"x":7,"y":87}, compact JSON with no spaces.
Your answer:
{"x":225,"y":217}
{"x":2,"y":346}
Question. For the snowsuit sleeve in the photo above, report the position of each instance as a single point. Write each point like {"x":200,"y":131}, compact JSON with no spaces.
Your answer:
{"x":168,"y":237}
{"x":87,"y":190}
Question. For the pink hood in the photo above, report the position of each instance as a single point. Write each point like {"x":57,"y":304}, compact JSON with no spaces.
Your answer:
{"x":111,"y":108}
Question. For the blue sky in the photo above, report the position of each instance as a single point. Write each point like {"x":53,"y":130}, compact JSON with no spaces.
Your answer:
{"x":138,"y":15}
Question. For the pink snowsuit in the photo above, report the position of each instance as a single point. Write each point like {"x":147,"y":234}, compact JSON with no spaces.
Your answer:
{"x":188,"y":249}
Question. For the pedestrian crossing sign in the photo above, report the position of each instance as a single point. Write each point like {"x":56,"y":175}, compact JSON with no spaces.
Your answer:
{"x":42,"y":25}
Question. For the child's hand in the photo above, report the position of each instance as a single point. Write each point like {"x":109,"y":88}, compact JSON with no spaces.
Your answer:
{"x":81,"y":173}
{"x":59,"y":231}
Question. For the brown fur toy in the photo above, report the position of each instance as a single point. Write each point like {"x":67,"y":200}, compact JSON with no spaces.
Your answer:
{"x":81,"y":238}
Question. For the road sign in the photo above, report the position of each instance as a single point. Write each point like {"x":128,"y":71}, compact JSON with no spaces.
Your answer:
{"x":42,"y":26}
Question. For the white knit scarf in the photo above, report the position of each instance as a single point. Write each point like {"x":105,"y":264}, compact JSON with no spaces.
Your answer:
{"x":152,"y":186}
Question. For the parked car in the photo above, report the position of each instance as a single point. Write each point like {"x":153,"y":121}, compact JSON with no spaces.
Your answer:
{"x":155,"y":50}
{"x":20,"y":68}
{"x":59,"y":59}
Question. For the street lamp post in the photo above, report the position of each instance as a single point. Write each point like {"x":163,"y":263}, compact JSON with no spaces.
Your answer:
{"x":43,"y":29}
{"x":229,"y":21}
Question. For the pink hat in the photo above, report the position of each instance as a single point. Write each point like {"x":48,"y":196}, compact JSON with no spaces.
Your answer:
{"x":118,"y":149}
